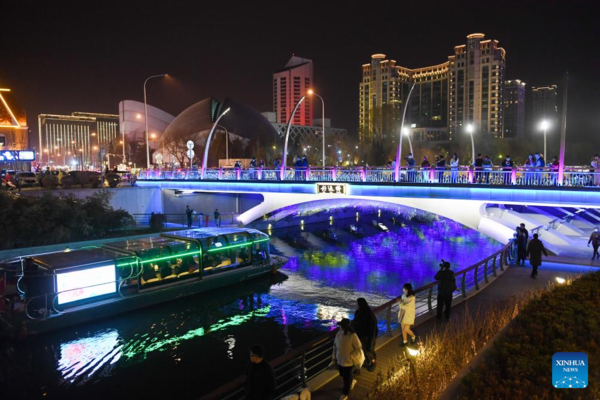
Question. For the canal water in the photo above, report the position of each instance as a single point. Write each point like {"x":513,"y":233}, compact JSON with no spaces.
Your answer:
{"x":186,"y":348}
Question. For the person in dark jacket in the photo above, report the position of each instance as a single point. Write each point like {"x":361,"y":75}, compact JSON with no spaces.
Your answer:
{"x":507,"y":167}
{"x":189,"y":213}
{"x":446,"y":287}
{"x":595,"y":241}
{"x":535,"y":248}
{"x":365,"y":326}
{"x":522,"y":238}
{"x":478,"y":167}
{"x":260,"y":377}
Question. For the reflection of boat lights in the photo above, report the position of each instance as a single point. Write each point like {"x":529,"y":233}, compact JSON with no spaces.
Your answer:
{"x":81,"y":355}
{"x":331,"y":313}
{"x":230,"y":346}
{"x":379,"y":213}
{"x":150,"y":344}
{"x":269,"y":227}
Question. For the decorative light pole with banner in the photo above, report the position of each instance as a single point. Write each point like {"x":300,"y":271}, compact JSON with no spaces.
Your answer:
{"x":212,"y":130}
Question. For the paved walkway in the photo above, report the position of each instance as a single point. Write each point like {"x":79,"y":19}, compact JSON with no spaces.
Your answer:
{"x":513,"y":281}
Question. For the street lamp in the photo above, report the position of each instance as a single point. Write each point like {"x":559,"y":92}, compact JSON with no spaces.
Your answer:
{"x":470,"y":129}
{"x":287,"y":135}
{"x":312,"y":92}
{"x":406,"y":133}
{"x":544,"y":125}
{"x":146,"y":112}
{"x":212,"y":130}
{"x":399,"y":150}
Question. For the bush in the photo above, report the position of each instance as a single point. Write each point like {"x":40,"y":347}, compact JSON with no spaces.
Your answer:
{"x":35,"y":221}
{"x":157,"y":222}
{"x":519,"y":366}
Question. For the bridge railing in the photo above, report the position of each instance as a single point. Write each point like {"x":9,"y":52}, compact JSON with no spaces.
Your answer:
{"x":294,"y":369}
{"x":492,"y":176}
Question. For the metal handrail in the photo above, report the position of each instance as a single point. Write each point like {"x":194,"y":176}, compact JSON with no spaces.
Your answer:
{"x":304,"y":355}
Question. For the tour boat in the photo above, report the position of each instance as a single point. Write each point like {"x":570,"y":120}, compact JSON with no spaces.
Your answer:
{"x":50,"y":291}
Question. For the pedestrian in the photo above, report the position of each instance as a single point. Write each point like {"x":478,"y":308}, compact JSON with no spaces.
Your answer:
{"x":347,"y":350}
{"x":535,"y":248}
{"x":251,"y":168}
{"x":446,"y":287}
{"x":554,"y":167}
{"x":529,"y":166}
{"x":410,"y":164}
{"x":260,"y":377}
{"x":441,"y":168}
{"x":406,"y":316}
{"x":595,"y":164}
{"x":425,"y":165}
{"x":200,"y":218}
{"x":217,"y":216}
{"x":539,"y":165}
{"x":522,"y":238}
{"x":365,"y":326}
{"x":478,"y":167}
{"x":454,"y":161}
{"x":189,"y":212}
{"x":595,"y":241}
{"x":488,"y":166}
{"x":507,"y":168}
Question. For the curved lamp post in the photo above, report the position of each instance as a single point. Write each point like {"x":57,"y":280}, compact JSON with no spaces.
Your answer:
{"x":212,"y":130}
{"x":226,"y":142}
{"x":146,"y":112}
{"x":312,"y":92}
{"x":406,"y":133}
{"x":470,"y":129}
{"x":287,"y":135}
{"x":399,"y":150}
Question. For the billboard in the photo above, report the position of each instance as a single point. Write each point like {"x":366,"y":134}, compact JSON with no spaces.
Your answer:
{"x":84,"y":284}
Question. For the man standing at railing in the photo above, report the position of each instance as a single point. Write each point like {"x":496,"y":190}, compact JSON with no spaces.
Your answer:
{"x":260,"y":377}
{"x":535,"y":248}
{"x":478,"y":166}
{"x":522,"y":239}
{"x":410,"y":164}
{"x":217,"y":217}
{"x":595,"y":241}
{"x":446,"y":287}
{"x":507,"y":167}
{"x":189,"y":213}
{"x":441,"y":167}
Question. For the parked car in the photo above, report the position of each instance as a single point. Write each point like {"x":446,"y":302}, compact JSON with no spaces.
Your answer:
{"x":23,"y":179}
{"x":83,"y":178}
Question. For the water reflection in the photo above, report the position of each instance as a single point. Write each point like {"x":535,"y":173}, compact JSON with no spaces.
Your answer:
{"x":88,"y":354}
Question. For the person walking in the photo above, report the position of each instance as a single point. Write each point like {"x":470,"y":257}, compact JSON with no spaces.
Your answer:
{"x":595,"y":241}
{"x":260,"y":377}
{"x":217,"y":216}
{"x":446,"y":287}
{"x":189,"y":213}
{"x":365,"y":326}
{"x":347,"y":350}
{"x":507,"y":168}
{"x":406,"y":317}
{"x":454,"y":168}
{"x":535,"y":248}
{"x":522,"y":238}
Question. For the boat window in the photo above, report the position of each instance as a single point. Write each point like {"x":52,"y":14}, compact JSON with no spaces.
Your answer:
{"x":260,"y":249}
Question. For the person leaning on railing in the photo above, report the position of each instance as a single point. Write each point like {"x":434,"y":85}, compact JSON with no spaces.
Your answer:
{"x":446,"y":287}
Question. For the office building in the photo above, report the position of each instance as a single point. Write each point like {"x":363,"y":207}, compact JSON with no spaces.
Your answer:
{"x":545,"y":105}
{"x":77,"y":139}
{"x":465,"y":89}
{"x":13,"y":123}
{"x":289,"y":85}
{"x":514,"y":108}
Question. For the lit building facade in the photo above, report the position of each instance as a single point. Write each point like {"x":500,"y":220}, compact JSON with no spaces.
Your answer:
{"x":476,"y":86}
{"x":468,"y":88}
{"x":13,"y":123}
{"x":76,"y":139}
{"x":514,"y":108}
{"x":289,"y":85}
{"x":545,"y":105}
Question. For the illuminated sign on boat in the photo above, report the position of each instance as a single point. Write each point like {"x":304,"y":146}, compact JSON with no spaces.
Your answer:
{"x":333,"y":188}
{"x":84,"y":284}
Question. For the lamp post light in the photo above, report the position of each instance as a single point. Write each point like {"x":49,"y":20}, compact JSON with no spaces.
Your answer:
{"x":212,"y":130}
{"x":146,"y":119}
{"x":470,"y":129}
{"x":399,"y":150}
{"x":312,"y":92}
{"x":287,"y":135}
{"x":544,"y":125}
{"x":406,"y":133}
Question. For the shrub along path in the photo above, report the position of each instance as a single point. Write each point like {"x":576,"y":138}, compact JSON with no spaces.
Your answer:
{"x":513,"y":281}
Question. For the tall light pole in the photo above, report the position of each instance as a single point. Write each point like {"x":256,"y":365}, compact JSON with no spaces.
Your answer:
{"x":146,"y":112}
{"x":406,"y":133}
{"x":563,"y":133}
{"x":470,"y":129}
{"x":312,"y":92}
{"x":287,"y":135}
{"x":212,"y":130}
{"x":544,"y":125}
{"x":399,"y":150}
{"x":226,"y":142}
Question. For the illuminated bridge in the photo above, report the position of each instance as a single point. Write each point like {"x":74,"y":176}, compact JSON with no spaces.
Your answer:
{"x":564,"y":216}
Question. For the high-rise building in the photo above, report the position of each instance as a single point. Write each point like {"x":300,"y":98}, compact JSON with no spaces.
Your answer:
{"x":514,"y":108}
{"x":76,"y":139}
{"x":545,"y":105}
{"x":476,"y":86}
{"x":465,"y":89}
{"x":289,"y":85}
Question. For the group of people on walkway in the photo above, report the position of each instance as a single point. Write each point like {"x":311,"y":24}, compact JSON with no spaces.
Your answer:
{"x":532,"y":249}
{"x":202,"y":218}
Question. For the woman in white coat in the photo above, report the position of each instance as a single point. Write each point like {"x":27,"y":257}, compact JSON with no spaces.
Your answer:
{"x":406,"y":317}
{"x":347,"y":352}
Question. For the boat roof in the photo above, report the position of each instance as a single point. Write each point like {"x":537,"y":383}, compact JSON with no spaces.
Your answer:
{"x":202,"y":233}
{"x":77,"y":258}
{"x":145,"y":244}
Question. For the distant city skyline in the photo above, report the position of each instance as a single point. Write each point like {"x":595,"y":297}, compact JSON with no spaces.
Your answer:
{"x":63,"y":65}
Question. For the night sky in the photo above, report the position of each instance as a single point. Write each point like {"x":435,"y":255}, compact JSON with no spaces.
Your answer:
{"x":60,"y":57}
